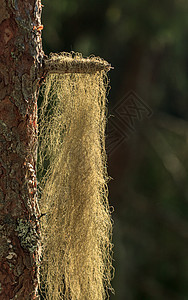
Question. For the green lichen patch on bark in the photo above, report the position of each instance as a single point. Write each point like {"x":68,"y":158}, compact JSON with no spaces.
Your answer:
{"x":28,"y":235}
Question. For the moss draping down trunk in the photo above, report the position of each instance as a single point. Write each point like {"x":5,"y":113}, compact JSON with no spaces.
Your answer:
{"x":77,"y":248}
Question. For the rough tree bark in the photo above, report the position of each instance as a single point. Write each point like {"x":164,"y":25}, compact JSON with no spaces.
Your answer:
{"x":20,"y":62}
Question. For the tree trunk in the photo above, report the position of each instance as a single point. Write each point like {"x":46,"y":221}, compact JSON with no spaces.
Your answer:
{"x":20,"y":61}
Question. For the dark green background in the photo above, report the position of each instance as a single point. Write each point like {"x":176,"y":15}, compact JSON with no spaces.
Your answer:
{"x":147,"y":43}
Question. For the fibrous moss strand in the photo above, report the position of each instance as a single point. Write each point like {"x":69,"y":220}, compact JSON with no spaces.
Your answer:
{"x":77,"y":229}
{"x":69,"y":63}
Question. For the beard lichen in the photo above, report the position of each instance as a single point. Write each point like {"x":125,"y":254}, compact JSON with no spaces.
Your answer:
{"x":77,"y":228}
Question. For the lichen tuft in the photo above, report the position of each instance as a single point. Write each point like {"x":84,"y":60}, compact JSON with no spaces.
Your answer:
{"x":77,"y":248}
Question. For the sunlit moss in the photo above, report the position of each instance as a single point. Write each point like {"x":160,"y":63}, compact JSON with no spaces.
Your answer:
{"x":76,"y":233}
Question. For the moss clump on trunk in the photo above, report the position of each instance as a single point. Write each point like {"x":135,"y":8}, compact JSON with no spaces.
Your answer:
{"x":77,"y":229}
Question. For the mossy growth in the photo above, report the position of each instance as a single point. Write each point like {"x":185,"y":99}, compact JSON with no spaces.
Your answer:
{"x":76,"y":234}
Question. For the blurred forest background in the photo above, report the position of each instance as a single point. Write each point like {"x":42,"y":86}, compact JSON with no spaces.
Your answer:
{"x":147,"y":43}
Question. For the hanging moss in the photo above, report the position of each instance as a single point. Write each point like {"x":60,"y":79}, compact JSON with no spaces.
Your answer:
{"x":77,"y":229}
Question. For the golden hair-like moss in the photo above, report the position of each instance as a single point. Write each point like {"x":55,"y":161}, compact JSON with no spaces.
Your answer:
{"x":77,"y":230}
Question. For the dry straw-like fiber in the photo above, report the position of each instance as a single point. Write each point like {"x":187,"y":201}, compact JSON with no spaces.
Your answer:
{"x":74,"y":63}
{"x":77,"y":248}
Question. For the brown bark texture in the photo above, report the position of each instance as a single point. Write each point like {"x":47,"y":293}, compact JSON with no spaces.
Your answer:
{"x":20,"y":62}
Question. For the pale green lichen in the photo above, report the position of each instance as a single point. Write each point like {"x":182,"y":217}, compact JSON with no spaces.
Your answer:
{"x":13,"y":55}
{"x":27,"y":235}
{"x":11,"y":266}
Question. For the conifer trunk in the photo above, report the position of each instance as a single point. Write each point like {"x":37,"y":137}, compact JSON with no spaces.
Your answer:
{"x":20,"y":61}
